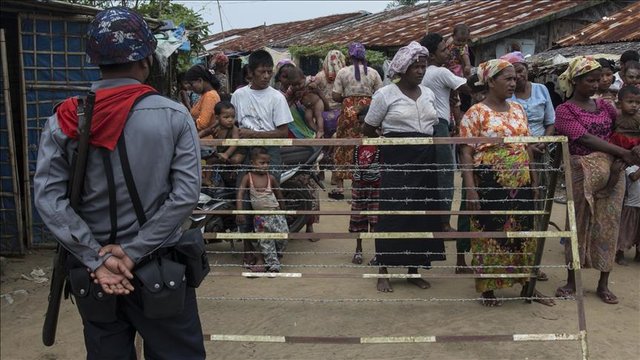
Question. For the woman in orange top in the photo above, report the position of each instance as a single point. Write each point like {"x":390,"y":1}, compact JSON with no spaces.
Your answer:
{"x":204,"y":83}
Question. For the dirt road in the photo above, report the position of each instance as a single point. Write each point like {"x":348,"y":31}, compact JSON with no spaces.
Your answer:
{"x":613,"y":330}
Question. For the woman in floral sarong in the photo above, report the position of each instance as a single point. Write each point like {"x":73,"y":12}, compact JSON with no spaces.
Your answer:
{"x":497,"y":177}
{"x":353,"y":87}
{"x":588,"y":124}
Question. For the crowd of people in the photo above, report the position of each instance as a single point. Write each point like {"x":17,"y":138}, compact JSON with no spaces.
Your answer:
{"x":430,"y":82}
{"x":114,"y":231}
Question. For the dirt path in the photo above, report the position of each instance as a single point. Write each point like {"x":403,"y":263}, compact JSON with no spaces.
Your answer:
{"x":612,"y":329}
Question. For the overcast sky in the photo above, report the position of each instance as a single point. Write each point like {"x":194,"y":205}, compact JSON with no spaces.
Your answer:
{"x":249,"y":13}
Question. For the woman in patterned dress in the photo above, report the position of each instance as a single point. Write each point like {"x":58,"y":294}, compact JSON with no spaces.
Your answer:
{"x":353,"y":87}
{"x":588,"y":124}
{"x":497,"y":177}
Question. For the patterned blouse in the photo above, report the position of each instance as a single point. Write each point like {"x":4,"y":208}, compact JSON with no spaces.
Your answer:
{"x":482,"y":121}
{"x":574,"y":122}
{"x":347,"y":85}
{"x":326,"y":87}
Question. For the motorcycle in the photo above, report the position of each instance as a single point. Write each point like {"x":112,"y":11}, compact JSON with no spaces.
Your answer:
{"x":302,"y":163}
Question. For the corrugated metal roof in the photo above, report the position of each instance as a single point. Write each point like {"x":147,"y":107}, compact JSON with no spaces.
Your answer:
{"x":623,"y":25}
{"x":487,"y":19}
{"x":274,"y":35}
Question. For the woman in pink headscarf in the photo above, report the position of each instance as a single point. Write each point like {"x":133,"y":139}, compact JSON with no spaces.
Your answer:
{"x":353,"y":87}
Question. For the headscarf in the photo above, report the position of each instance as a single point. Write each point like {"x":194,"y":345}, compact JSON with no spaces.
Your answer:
{"x":406,"y":56}
{"x":514,"y":57}
{"x":580,"y":65}
{"x":358,"y":54}
{"x":221,"y":59}
{"x":332,"y":63}
{"x":489,"y":69}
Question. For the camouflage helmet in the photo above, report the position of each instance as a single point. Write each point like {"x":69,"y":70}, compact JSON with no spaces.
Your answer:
{"x":119,"y":35}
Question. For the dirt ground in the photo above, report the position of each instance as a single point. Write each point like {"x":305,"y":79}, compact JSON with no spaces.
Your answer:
{"x":613,"y":330}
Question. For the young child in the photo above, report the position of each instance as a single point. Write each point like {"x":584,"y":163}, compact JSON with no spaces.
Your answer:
{"x":313,"y":108}
{"x":606,"y":80}
{"x":227,"y":157}
{"x":631,"y":74}
{"x":630,"y":219}
{"x":626,"y":132}
{"x":264,"y":194}
{"x":365,"y":190}
{"x":460,"y":63}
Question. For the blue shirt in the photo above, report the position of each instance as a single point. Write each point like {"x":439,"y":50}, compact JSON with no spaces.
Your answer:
{"x":539,"y":109}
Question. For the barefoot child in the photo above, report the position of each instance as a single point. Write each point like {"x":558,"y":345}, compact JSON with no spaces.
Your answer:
{"x":264,"y":194}
{"x":365,"y":191}
{"x":630,"y":219}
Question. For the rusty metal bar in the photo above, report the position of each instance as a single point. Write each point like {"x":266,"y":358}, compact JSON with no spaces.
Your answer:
{"x":573,"y":230}
{"x":324,"y":275}
{"x":369,"y":212}
{"x":389,"y":235}
{"x":389,"y":339}
{"x":542,"y":222}
{"x":381,"y":141}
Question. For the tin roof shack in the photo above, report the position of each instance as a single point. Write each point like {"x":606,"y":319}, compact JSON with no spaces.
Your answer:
{"x":273,"y":36}
{"x":609,"y":37}
{"x":239,"y":42}
{"x":532,"y":24}
{"x":44,"y":63}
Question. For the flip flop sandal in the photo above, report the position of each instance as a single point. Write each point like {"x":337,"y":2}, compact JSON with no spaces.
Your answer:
{"x":565,"y":293}
{"x":491,"y":302}
{"x":336,"y":195}
{"x":607,"y":297}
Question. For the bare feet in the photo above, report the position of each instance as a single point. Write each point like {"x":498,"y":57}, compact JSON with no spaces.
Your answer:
{"x":357,"y":258}
{"x":383,"y":284}
{"x":310,"y":231}
{"x":489,"y":299}
{"x":620,"y":260}
{"x":421,"y":283}
{"x":607,"y":296}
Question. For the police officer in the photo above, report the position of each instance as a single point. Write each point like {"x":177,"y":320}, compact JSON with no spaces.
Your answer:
{"x":163,"y":153}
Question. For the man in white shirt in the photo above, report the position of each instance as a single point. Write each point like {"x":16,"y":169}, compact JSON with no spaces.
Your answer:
{"x":437,"y":77}
{"x":442,"y":81}
{"x":262,"y":111}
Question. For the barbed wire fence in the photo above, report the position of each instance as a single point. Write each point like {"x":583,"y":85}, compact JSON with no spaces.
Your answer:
{"x":551,"y":170}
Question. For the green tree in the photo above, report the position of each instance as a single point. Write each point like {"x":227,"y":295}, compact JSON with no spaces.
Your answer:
{"x":398,"y":3}
{"x":164,"y":10}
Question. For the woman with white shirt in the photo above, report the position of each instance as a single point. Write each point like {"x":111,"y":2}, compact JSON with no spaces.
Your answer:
{"x":406,"y":109}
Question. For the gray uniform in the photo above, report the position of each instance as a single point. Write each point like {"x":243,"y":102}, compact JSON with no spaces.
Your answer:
{"x":164,"y":154}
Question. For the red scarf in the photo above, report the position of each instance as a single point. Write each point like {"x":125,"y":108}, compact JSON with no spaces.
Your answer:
{"x":110,"y":114}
